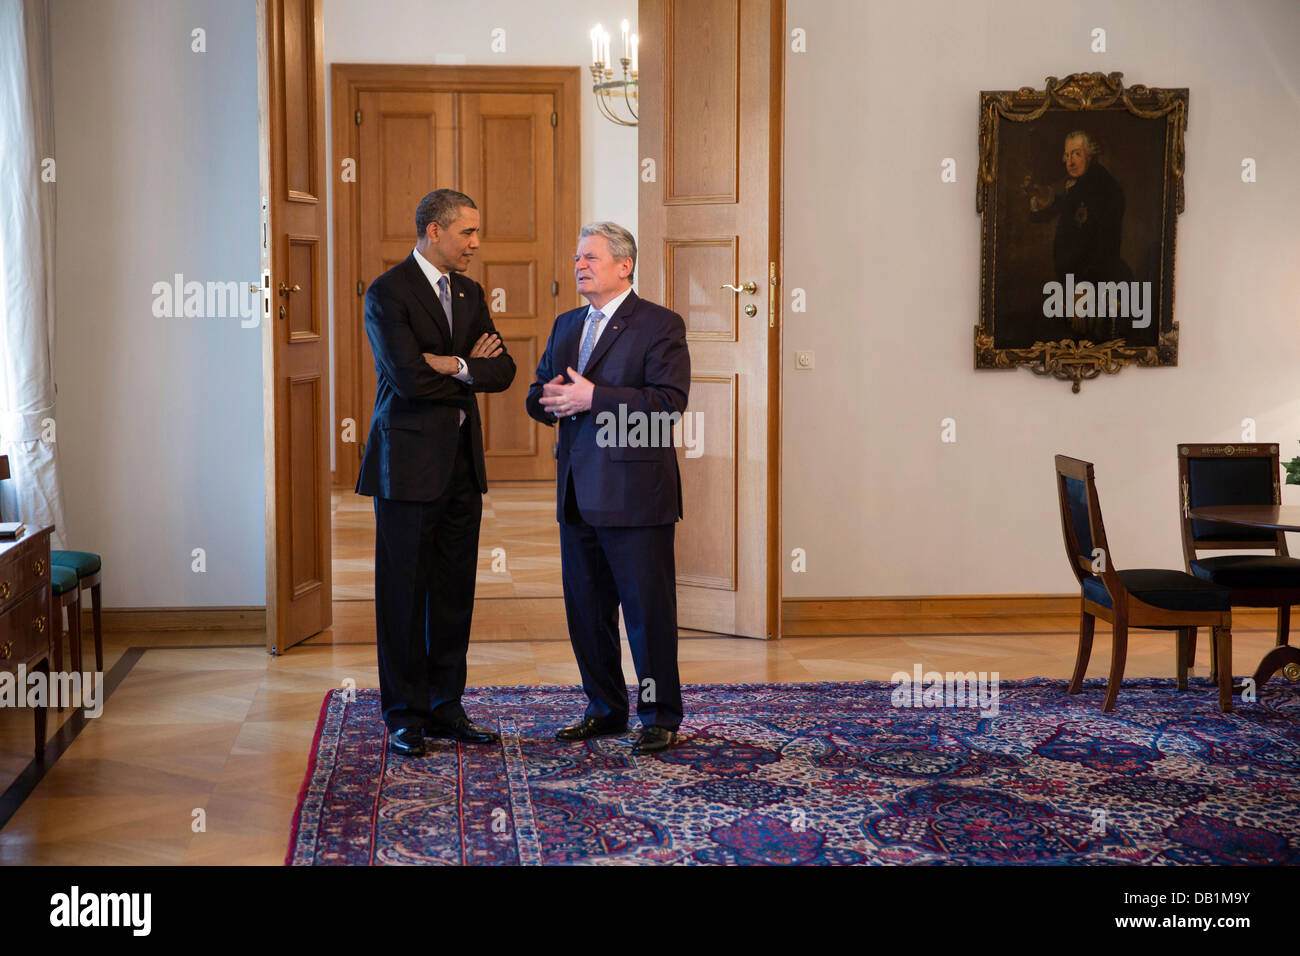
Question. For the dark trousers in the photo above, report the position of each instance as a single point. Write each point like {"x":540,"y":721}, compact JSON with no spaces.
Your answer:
{"x":634,"y":566}
{"x":426,"y":556}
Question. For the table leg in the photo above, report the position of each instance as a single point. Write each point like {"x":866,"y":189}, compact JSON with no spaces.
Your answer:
{"x":1285,"y":659}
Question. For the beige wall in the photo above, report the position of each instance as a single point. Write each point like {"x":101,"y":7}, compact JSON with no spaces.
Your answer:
{"x":160,"y":419}
{"x":890,"y":260}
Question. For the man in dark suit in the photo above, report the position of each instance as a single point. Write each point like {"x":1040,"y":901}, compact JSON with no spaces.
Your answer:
{"x":434,"y":346}
{"x":1089,"y":215}
{"x":607,"y":365}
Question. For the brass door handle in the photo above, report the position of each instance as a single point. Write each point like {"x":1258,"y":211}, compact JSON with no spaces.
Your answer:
{"x":749,"y":287}
{"x":285,"y":290}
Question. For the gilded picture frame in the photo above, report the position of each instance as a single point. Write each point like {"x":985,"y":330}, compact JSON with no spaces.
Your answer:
{"x":1079,"y":190}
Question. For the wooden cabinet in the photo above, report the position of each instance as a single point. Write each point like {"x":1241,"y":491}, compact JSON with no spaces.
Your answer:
{"x":25,"y":619}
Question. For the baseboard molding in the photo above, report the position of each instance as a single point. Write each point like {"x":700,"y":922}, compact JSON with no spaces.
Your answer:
{"x":175,"y":618}
{"x":827,"y":616}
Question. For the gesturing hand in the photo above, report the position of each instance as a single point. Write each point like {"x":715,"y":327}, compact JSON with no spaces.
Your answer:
{"x":561,"y":399}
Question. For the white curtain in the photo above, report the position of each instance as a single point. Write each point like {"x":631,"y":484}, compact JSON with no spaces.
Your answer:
{"x":28,"y":433}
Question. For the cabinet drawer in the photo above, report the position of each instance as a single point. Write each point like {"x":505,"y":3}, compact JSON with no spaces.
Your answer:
{"x":25,"y":630}
{"x":24,"y":568}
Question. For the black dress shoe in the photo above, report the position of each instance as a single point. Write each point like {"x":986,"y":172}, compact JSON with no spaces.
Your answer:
{"x":654,"y":739}
{"x":590,"y":727}
{"x":463,"y":730}
{"x":407,"y":741}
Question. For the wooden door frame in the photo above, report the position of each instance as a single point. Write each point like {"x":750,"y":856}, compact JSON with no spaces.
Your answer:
{"x":272,"y":177}
{"x":776,"y":313}
{"x":347,"y":82}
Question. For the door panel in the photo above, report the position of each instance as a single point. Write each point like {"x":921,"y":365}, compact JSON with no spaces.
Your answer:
{"x":507,"y":162}
{"x":709,"y":94}
{"x":295,"y":350}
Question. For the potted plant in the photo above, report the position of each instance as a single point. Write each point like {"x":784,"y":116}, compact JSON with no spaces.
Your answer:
{"x":1292,"y":470}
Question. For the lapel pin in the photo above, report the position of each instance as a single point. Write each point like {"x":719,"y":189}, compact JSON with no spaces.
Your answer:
{"x":460,"y":294}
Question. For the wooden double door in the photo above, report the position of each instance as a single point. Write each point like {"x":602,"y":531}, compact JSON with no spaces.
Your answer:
{"x":507,"y":138}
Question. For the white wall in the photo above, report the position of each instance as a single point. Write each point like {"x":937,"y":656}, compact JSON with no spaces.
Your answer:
{"x":537,"y":33}
{"x":160,"y":419}
{"x":890,"y":259}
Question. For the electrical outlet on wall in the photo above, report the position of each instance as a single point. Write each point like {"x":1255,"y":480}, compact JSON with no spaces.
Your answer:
{"x":803,"y":360}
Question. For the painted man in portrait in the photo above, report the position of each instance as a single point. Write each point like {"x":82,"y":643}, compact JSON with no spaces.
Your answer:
{"x":1089,"y":213}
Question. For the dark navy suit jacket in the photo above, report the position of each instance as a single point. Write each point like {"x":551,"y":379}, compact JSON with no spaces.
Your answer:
{"x":639,"y":363}
{"x":415,"y":428}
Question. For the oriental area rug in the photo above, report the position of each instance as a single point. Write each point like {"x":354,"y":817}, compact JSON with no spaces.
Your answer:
{"x":821,"y":774}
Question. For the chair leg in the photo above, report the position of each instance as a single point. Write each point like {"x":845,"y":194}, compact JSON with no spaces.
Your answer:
{"x":1087,"y":624}
{"x":56,"y":636}
{"x":1118,"y":655}
{"x":41,"y":713}
{"x":1214,"y":654}
{"x":1283,"y":625}
{"x":1225,"y":668}
{"x":1183,"y":651}
{"x":98,"y":626}
{"x":74,"y":632}
{"x":1191,"y":648}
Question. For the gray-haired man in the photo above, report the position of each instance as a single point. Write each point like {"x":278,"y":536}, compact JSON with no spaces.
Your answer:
{"x":619,"y":360}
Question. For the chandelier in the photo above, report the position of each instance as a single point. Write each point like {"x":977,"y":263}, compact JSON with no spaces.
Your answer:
{"x":606,"y":89}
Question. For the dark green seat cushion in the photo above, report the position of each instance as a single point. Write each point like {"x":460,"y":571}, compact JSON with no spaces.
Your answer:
{"x":62,"y":580}
{"x":83,"y":562}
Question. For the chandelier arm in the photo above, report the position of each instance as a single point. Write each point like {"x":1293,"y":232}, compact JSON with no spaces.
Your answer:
{"x":628,"y":100}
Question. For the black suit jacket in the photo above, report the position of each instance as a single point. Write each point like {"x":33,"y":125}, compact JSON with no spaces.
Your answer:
{"x":640,"y":363}
{"x":415,"y":427}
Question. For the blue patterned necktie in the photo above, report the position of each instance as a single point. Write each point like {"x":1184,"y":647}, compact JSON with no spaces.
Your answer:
{"x":589,"y":340}
{"x":444,"y":296}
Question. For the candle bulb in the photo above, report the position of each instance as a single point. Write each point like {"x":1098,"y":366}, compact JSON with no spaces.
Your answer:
{"x":595,"y":44}
{"x":636,"y":42}
{"x":604,"y":47}
{"x":624,"y":27}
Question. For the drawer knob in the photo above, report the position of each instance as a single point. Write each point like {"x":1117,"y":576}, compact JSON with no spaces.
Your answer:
{"x":6,"y":650}
{"x":39,"y":567}
{"x":39,"y":624}
{"x":6,"y":589}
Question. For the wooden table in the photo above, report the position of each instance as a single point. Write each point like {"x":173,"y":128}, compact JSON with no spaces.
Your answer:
{"x":1270,"y":518}
{"x":25,"y":619}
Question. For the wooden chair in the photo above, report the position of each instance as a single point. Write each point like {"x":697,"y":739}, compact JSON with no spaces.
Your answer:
{"x":87,"y":565}
{"x":1150,"y":598}
{"x":1211,"y":475}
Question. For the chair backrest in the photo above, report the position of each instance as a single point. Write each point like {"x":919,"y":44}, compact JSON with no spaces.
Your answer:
{"x":1210,"y":475}
{"x":1082,"y":527}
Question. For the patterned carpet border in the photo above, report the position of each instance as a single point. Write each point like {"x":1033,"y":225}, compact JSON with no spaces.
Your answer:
{"x":826,"y":773}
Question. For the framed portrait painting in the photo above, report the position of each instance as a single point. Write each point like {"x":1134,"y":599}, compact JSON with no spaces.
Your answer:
{"x":1080,"y":187}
